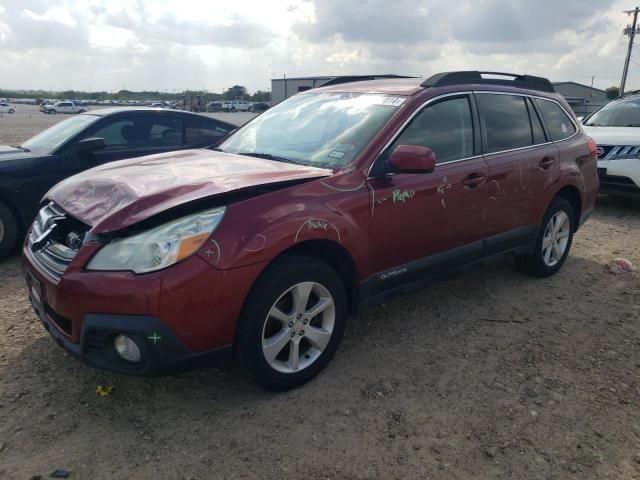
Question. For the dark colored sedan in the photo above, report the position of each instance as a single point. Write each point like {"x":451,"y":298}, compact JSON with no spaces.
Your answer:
{"x":81,"y":142}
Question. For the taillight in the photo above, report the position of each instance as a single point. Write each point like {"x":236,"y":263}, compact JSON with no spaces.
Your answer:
{"x":593,"y":148}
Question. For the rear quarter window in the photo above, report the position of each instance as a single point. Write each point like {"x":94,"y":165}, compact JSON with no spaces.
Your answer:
{"x":558,"y":123}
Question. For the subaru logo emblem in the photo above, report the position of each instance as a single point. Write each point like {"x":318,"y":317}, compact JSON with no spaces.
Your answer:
{"x":74,"y":241}
{"x":600,"y":152}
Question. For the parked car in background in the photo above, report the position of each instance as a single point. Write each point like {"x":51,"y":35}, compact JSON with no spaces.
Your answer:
{"x":157,"y":105}
{"x":7,"y":108}
{"x":616,"y":129}
{"x":84,"y":141}
{"x":332,"y":200}
{"x":63,"y":107}
{"x":214,"y":107}
{"x":259,"y":107}
{"x":235,"y":106}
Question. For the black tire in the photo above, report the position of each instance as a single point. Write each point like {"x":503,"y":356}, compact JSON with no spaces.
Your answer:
{"x":9,"y":226}
{"x":534,"y":264}
{"x":52,"y":112}
{"x":272,"y":284}
{"x":12,"y":111}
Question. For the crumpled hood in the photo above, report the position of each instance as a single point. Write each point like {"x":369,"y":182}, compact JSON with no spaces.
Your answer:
{"x":119,"y":194}
{"x":614,"y":135}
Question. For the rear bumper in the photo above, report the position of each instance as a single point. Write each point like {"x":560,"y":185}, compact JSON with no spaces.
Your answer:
{"x":162,"y":352}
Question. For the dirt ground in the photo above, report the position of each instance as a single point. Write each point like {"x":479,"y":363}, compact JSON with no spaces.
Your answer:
{"x":490,"y":375}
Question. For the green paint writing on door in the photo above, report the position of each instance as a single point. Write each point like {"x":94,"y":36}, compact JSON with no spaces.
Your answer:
{"x":402,"y":195}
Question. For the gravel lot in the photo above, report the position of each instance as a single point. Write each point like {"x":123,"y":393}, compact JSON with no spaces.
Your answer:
{"x":489,"y":375}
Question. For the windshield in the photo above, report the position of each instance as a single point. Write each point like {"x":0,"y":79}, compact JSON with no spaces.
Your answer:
{"x":52,"y":138}
{"x":623,"y":113}
{"x":326,"y":130}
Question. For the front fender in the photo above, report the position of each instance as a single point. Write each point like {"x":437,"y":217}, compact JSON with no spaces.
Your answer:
{"x":261,"y":228}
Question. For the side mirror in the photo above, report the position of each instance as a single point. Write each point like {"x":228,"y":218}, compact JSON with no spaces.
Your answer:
{"x":413,"y":159}
{"x":87,"y":145}
{"x":580,"y":119}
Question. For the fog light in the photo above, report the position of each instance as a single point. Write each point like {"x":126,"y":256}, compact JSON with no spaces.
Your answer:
{"x":127,"y":349}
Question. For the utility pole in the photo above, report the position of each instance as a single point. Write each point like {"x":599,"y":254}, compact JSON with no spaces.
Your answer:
{"x":592,"y":79}
{"x":631,"y":32}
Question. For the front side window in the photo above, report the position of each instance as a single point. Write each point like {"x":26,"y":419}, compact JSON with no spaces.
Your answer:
{"x":140,"y":132}
{"x":506,"y":122}
{"x":556,"y":119}
{"x":445,"y":127}
{"x":326,"y":130}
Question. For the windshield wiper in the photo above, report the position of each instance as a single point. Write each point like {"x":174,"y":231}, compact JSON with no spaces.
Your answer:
{"x":26,"y":150}
{"x":266,"y":156}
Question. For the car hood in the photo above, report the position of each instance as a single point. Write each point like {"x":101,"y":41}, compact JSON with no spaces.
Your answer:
{"x":120,"y":194}
{"x":13,"y":153}
{"x":614,"y":135}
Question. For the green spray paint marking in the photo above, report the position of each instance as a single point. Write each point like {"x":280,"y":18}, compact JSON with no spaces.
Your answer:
{"x":155,"y":337}
{"x":402,"y":195}
{"x":317,"y":225}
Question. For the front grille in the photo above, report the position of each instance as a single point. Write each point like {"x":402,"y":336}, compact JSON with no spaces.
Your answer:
{"x":96,"y":340}
{"x":55,"y":256}
{"x":63,"y":323}
{"x":618,"y":152}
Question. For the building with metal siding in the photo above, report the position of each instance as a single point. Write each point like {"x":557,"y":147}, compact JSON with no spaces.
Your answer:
{"x":583,"y":99}
{"x":282,"y":88}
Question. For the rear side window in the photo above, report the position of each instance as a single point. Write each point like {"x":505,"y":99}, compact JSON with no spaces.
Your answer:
{"x":204,"y":130}
{"x":556,"y":119}
{"x":444,"y":127}
{"x":506,"y":122}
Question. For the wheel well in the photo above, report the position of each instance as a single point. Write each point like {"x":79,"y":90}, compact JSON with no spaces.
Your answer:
{"x":16,"y":214}
{"x":337,"y":257}
{"x":572,"y":195}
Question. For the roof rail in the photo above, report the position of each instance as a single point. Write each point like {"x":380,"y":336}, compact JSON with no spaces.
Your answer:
{"x":475,"y":77}
{"x":359,"y":78}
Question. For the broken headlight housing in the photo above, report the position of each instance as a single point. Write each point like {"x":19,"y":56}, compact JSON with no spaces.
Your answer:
{"x":159,"y":247}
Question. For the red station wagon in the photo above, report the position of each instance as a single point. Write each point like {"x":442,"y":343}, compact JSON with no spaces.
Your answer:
{"x":335,"y":199}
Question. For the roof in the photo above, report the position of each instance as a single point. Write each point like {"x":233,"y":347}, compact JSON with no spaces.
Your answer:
{"x":331,"y":77}
{"x":555,"y":84}
{"x":388,"y":86}
{"x":113,"y":110}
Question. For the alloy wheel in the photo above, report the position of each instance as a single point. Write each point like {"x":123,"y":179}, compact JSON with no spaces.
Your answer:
{"x":298,"y":327}
{"x":556,"y":238}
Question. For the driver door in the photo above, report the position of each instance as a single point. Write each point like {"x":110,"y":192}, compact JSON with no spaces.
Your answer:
{"x":425,"y":223}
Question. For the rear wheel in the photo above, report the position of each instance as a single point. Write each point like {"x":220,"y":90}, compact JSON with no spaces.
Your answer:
{"x":292,"y":323}
{"x":553,"y":242}
{"x":12,"y":111}
{"x":8,"y":231}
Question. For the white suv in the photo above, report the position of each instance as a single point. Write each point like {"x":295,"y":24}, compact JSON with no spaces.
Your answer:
{"x":235,"y":106}
{"x":616,"y":130}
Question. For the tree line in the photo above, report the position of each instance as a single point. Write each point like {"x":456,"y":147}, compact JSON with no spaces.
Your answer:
{"x":237,"y":92}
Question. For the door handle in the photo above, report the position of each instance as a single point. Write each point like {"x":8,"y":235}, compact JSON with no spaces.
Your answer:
{"x":546,"y":163}
{"x":473,"y":180}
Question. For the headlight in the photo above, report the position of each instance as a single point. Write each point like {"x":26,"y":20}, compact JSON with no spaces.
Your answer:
{"x":160,"y":247}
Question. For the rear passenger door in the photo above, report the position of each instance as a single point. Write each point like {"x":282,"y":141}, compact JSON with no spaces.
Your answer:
{"x":521,"y":161}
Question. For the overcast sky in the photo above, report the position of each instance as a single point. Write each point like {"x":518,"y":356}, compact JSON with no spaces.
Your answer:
{"x":212,"y":44}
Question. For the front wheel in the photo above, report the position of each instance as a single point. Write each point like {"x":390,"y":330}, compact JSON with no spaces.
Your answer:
{"x":292,"y":323}
{"x":553,"y":242}
{"x":52,"y":112}
{"x":12,"y":111}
